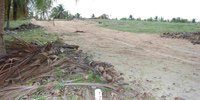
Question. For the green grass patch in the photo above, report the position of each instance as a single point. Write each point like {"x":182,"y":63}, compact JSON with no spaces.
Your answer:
{"x":17,"y":23}
{"x":37,"y":35}
{"x":147,"y":26}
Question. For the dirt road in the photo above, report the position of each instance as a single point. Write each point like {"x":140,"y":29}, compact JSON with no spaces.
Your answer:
{"x":167,"y":68}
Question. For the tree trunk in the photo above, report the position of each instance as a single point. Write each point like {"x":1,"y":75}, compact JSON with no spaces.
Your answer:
{"x":15,"y":9}
{"x":53,"y":22}
{"x":8,"y":15}
{"x":2,"y":44}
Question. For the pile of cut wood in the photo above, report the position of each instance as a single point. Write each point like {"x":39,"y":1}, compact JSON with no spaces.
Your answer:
{"x":194,"y":37}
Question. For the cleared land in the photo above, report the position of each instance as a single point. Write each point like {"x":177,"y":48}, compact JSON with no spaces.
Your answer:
{"x":147,"y":26}
{"x":167,"y":68}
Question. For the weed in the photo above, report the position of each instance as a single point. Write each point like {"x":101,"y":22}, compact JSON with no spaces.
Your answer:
{"x":41,"y":97}
{"x":45,"y":83}
{"x":40,"y":88}
{"x":88,"y":59}
{"x":73,"y":97}
{"x":106,"y":90}
{"x":153,"y":98}
{"x":34,"y":96}
{"x":128,"y":88}
{"x":58,"y":87}
{"x":62,"y":55}
{"x":15,"y":96}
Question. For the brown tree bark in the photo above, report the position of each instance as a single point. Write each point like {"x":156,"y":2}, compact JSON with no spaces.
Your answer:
{"x":2,"y":44}
{"x":8,"y":14}
{"x":15,"y":9}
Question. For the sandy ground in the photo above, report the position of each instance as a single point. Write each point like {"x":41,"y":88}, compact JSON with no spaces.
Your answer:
{"x":167,"y":68}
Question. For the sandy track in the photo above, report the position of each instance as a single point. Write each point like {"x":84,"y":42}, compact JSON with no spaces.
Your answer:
{"x":165,"y":67}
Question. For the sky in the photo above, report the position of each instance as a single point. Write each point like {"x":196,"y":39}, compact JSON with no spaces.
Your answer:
{"x":137,"y":8}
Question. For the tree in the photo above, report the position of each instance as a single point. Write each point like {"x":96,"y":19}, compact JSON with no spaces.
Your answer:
{"x":156,"y":18}
{"x":2,"y":16}
{"x":93,"y":16}
{"x":42,"y":7}
{"x":2,"y":44}
{"x":124,"y":18}
{"x":150,"y":19}
{"x":173,"y":20}
{"x":161,"y":19}
{"x":139,"y":19}
{"x":77,"y":15}
{"x":59,"y":12}
{"x":193,"y":20}
{"x":131,"y":17}
{"x":104,"y":16}
{"x":8,"y":14}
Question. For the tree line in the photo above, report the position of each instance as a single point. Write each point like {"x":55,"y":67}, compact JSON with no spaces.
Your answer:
{"x":161,"y":19}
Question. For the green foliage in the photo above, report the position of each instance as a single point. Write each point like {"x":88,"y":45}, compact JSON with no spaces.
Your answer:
{"x":138,"y":19}
{"x":150,"y":19}
{"x":14,"y":24}
{"x":179,"y":20}
{"x":41,"y":97}
{"x":131,"y":17}
{"x":106,"y":90}
{"x":40,"y":88}
{"x":62,"y":55}
{"x":128,"y":88}
{"x":45,"y":83}
{"x":94,"y":78}
{"x":123,"y":18}
{"x":58,"y":87}
{"x":15,"y":96}
{"x":77,"y":15}
{"x":193,"y":20}
{"x":59,"y":12}
{"x":37,"y":35}
{"x":41,"y":7}
{"x":93,"y":16}
{"x":104,"y":16}
{"x":34,"y":96}
{"x":156,"y":18}
{"x":161,"y":19}
{"x":88,"y":59}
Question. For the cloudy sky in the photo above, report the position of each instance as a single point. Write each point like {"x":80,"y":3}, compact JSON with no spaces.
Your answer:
{"x":138,"y":8}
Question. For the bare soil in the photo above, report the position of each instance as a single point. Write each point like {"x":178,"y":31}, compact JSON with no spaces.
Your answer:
{"x":167,"y":68}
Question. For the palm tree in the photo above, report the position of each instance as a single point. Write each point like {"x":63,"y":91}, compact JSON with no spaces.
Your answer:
{"x":8,"y":13}
{"x":42,"y":6}
{"x":19,"y":7}
{"x":2,"y":44}
{"x":59,"y":12}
